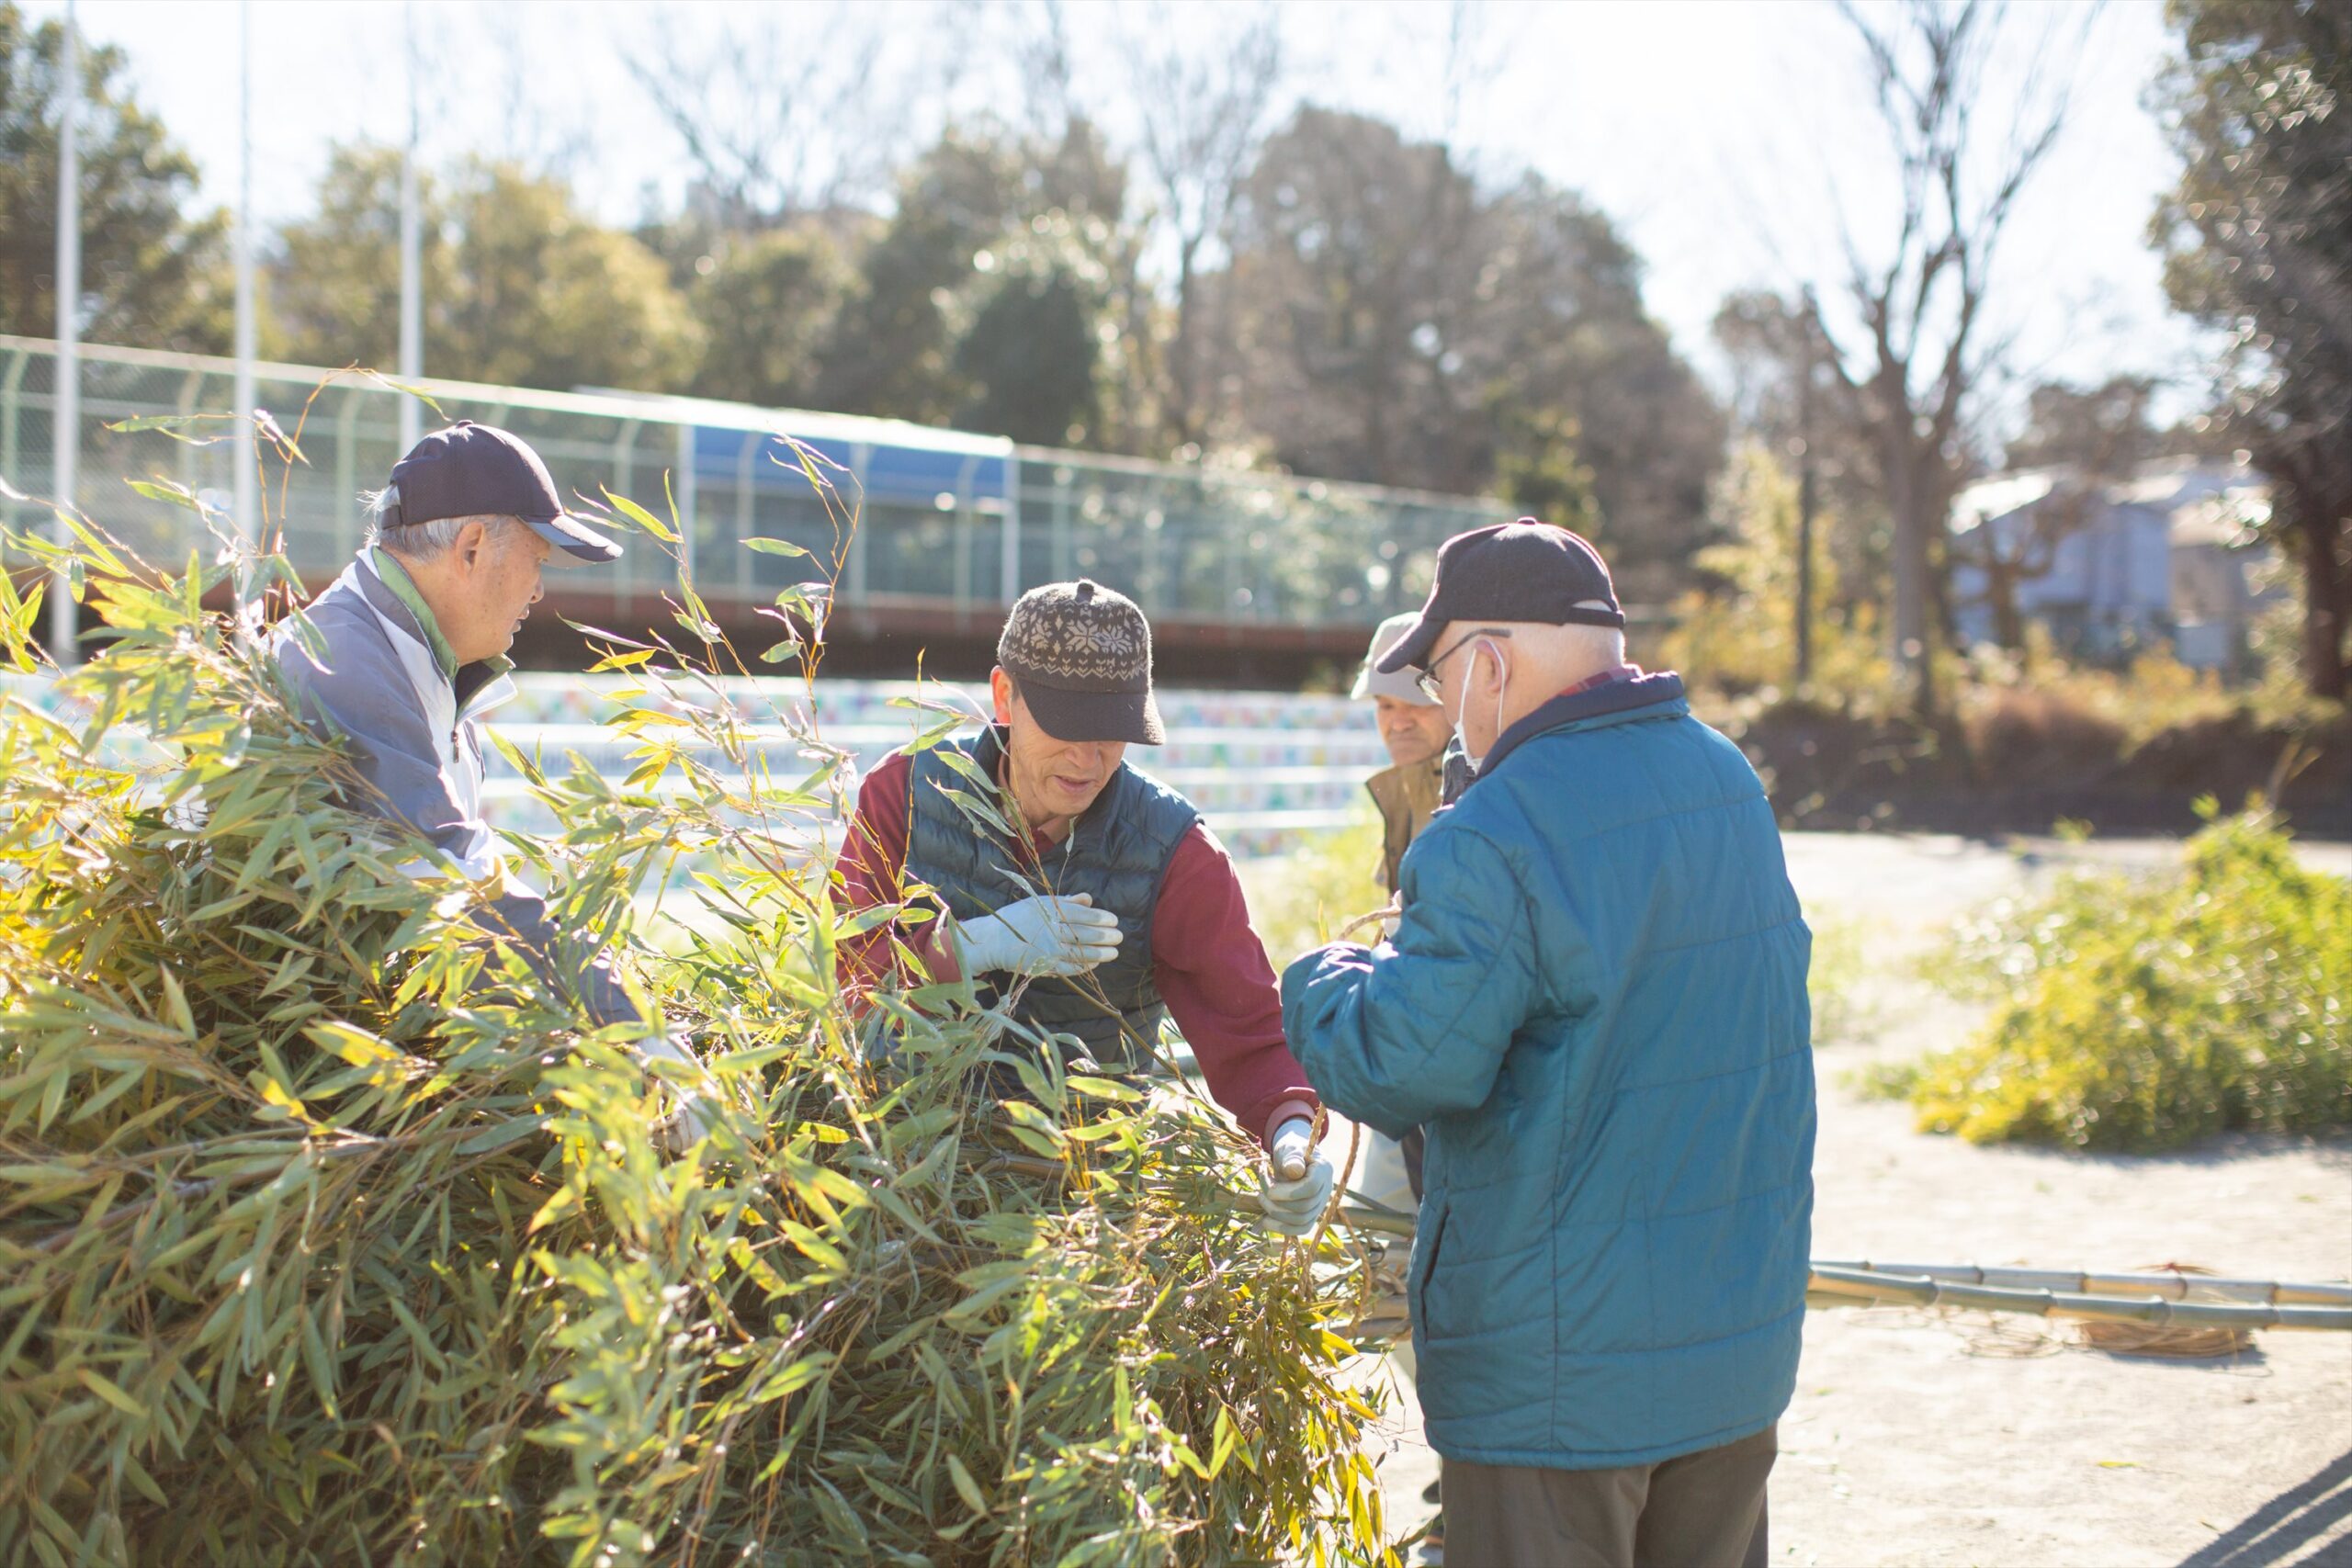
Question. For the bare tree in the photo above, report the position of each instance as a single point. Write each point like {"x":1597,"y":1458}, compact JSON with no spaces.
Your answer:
{"x":1203,"y":113}
{"x":779,"y":110}
{"x":1041,"y":57}
{"x":1924,"y":343}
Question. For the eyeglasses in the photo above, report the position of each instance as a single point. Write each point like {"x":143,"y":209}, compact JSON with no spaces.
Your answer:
{"x":1427,"y":679}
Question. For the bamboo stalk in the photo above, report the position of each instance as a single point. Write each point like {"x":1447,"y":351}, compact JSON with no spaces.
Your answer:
{"x":2159,"y":1298}
{"x":2174,"y":1285}
{"x":1863,"y":1284}
{"x":1366,"y":1215}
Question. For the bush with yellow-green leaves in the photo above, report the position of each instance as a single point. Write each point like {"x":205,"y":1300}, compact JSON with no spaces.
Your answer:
{"x":2144,"y":1012}
{"x":326,"y":1237}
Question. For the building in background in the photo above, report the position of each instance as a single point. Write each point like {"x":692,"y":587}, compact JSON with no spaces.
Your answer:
{"x":2109,"y":566}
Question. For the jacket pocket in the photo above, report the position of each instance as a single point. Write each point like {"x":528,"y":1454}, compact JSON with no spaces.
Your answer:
{"x":1418,"y":1291}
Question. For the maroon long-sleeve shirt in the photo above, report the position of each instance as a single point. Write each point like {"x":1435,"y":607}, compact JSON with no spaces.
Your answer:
{"x":1206,"y":958}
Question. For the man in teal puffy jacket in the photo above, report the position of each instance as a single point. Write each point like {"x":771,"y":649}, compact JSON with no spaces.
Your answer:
{"x":1595,"y":1002}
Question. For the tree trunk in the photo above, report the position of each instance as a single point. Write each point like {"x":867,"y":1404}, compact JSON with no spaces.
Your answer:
{"x":2328,"y":603}
{"x":1183,"y":357}
{"x":1907,"y":498}
{"x":2001,"y":596}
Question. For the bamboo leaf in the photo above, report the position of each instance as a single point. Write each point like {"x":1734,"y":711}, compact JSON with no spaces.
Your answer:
{"x":640,"y":516}
{"x":107,"y":1391}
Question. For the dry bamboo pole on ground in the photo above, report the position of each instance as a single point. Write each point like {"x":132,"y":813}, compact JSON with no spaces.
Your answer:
{"x":1831,"y":1285}
{"x":2176,"y":1285}
{"x":2156,"y":1298}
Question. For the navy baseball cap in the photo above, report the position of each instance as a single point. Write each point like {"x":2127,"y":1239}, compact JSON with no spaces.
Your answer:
{"x":1526,"y":571}
{"x":471,"y":470}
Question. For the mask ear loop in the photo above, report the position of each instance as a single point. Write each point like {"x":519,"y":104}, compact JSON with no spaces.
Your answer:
{"x":1460,"y":731}
{"x":1502,"y":686}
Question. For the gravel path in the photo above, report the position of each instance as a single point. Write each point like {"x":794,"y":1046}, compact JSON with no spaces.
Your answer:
{"x":1960,"y":1438}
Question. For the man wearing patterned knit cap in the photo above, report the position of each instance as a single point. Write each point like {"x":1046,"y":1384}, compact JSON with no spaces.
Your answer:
{"x":1111,"y":897}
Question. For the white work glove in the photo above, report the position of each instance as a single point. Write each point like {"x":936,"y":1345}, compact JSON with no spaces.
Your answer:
{"x":1044,"y":935}
{"x":691,"y":1113}
{"x":1299,"y":1179}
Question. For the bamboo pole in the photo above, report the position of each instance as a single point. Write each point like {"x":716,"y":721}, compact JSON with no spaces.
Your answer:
{"x":2172,"y":1284}
{"x":2152,"y":1297}
{"x":1865,"y":1285}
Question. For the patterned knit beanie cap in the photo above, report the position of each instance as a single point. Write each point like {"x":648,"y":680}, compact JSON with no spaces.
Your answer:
{"x":1082,"y":655}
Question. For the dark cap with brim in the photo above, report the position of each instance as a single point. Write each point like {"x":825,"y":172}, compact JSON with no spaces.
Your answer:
{"x":1525,"y":571}
{"x":1080,"y":655}
{"x":1132,"y":718}
{"x":471,"y":470}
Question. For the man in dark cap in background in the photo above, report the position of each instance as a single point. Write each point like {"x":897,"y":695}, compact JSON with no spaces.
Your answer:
{"x":1113,"y":899}
{"x":407,"y":651}
{"x":1595,"y":1005}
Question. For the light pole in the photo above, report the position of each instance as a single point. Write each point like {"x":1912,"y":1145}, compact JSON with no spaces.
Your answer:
{"x":248,"y":484}
{"x":66,"y":417}
{"x":411,"y":246}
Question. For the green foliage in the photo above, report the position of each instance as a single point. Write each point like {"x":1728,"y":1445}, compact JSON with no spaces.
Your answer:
{"x":326,"y":1237}
{"x":767,"y":303}
{"x":154,"y":273}
{"x":1385,"y":305}
{"x":1538,"y":472}
{"x":2143,"y":1013}
{"x":1741,"y":634}
{"x":520,"y":285}
{"x":1029,"y":357}
{"x":1298,"y":901}
{"x":989,"y":294}
{"x":1841,"y":1014}
{"x":334,"y":285}
{"x":2256,"y":244}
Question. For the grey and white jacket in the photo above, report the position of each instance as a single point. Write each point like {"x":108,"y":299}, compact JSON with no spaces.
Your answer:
{"x":415,"y":736}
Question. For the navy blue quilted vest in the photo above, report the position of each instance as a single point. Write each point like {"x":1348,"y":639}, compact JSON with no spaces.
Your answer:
{"x":1118,"y":851}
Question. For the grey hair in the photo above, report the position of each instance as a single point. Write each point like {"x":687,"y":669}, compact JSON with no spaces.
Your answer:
{"x":420,"y":541}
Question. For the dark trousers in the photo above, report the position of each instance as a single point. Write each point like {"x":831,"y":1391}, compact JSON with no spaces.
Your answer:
{"x":1701,"y":1510}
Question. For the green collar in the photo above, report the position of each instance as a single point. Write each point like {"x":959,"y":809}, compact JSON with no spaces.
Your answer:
{"x":445,"y":658}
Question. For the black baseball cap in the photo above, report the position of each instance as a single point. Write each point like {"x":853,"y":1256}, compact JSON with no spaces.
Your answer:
{"x":472,"y":469}
{"x":1525,"y":570}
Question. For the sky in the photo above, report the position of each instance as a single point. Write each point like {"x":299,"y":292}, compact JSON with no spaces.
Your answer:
{"x":1728,"y":139}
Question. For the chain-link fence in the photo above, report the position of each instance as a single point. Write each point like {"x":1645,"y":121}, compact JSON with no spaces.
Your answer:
{"x":941,"y":516}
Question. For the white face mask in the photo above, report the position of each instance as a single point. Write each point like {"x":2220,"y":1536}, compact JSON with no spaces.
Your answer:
{"x":1502,"y":673}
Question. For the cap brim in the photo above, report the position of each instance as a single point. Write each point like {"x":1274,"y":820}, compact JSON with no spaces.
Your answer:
{"x":575,"y":541}
{"x":1396,"y":683}
{"x":1129,"y":717}
{"x":1413,"y":646}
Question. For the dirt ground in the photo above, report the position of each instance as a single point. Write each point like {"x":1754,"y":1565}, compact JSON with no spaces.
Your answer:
{"x":1919,"y":1438}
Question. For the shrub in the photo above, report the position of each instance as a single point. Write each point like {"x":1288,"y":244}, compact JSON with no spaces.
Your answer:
{"x":2143,"y":1013}
{"x":1738,"y":638}
{"x":1299,"y":900}
{"x":326,"y":1237}
{"x":2038,"y":735}
{"x":1841,"y":1013}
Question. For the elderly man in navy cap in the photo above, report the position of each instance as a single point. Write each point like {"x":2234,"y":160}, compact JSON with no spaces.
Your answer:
{"x":409,"y":651}
{"x":1595,"y":1004}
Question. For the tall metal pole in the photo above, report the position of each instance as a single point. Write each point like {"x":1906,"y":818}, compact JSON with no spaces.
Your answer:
{"x":1805,"y":500}
{"x":248,"y":486}
{"x":65,"y":403}
{"x":411,"y":247}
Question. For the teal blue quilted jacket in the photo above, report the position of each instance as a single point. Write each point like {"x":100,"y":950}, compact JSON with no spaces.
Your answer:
{"x":1595,"y":1001}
